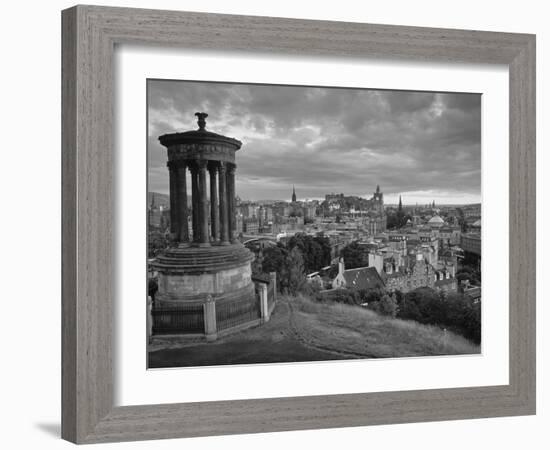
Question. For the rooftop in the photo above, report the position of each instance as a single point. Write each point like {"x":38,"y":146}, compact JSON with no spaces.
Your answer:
{"x":363,"y":278}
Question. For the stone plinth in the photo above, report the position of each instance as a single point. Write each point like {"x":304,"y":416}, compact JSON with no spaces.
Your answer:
{"x":190,"y":274}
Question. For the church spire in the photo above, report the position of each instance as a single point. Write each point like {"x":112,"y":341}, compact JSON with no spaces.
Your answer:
{"x":400,"y":204}
{"x":293,"y":194}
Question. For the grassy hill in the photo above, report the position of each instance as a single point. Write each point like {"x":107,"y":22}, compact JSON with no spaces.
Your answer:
{"x":358,"y":330}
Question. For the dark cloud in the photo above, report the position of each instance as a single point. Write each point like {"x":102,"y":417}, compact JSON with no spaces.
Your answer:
{"x":423,"y":145}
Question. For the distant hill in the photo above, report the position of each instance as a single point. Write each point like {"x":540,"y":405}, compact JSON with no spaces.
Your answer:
{"x":163,"y":200}
{"x":160,"y":199}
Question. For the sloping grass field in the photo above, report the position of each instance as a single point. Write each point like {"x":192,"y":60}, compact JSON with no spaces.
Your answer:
{"x":303,"y":330}
{"x":358,"y":330}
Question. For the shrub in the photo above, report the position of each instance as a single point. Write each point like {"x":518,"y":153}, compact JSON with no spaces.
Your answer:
{"x":455,"y":311}
{"x":346,"y":296}
{"x":386,"y":306}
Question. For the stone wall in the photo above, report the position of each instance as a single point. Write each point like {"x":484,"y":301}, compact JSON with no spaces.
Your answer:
{"x":180,"y":287}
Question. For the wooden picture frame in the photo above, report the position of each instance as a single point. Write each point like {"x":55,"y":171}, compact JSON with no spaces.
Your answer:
{"x":90,"y":34}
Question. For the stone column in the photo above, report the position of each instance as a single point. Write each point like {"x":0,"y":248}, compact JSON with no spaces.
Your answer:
{"x":182,"y":204}
{"x":231,"y":202}
{"x":224,"y":217}
{"x":203,"y":205}
{"x":195,"y":202}
{"x":214,"y":211}
{"x":210,"y":325}
{"x":174,"y":217}
{"x":264,"y":306}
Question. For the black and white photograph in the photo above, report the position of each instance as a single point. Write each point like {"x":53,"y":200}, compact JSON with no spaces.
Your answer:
{"x":290,"y":224}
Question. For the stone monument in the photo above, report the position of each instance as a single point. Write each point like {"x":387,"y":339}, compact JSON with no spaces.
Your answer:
{"x":204,"y":283}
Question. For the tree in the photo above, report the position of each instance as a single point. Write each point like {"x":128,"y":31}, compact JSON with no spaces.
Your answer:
{"x":156,"y":243}
{"x":469,"y":273}
{"x":355,"y":256}
{"x":315,"y":250}
{"x":386,"y":306}
{"x":289,"y":266}
{"x":397,"y":219}
{"x":347,"y":296}
{"x":295,"y":271}
{"x":370,"y":296}
{"x":273,"y":259}
{"x":454,"y":311}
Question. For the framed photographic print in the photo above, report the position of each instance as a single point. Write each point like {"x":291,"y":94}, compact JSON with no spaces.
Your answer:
{"x":256,"y":209}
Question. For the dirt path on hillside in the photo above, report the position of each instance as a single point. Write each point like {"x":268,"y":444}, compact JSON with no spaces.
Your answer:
{"x":272,"y":342}
{"x":283,"y":339}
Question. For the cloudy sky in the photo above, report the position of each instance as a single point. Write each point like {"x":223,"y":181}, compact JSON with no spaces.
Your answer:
{"x":421,"y":145}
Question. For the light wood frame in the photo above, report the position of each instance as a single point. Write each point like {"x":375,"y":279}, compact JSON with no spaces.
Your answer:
{"x":89,"y":36}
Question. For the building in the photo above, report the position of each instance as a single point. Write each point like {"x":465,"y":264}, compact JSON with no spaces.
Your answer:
{"x":472,"y":210}
{"x":309,"y":210}
{"x":377,"y":201}
{"x":473,"y":292}
{"x":436,"y":222}
{"x":419,"y":273}
{"x":449,"y":236}
{"x":375,"y":223}
{"x":332,"y":197}
{"x":361,"y":278}
{"x":251,"y":225}
{"x":281,"y":209}
{"x":471,"y":243}
{"x":249,"y":209}
{"x":158,"y":217}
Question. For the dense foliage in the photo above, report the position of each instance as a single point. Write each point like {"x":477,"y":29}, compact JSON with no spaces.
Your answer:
{"x":156,"y":243}
{"x":351,"y":296}
{"x":386,"y":306}
{"x":454,"y":311}
{"x":288,"y":265}
{"x":314,"y":249}
{"x":396,"y":220}
{"x":469,"y":272}
{"x":355,"y":255}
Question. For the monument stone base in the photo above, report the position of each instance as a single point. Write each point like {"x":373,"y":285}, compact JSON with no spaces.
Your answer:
{"x":204,"y":292}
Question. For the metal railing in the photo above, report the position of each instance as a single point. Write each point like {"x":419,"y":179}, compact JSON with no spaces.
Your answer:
{"x":184,"y":319}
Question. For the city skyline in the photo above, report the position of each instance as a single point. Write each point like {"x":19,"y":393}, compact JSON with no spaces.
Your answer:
{"x":423,"y":146}
{"x":321,"y":199}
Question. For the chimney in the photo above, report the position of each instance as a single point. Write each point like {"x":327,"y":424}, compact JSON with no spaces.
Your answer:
{"x":341,"y":266}
{"x":453,"y":271}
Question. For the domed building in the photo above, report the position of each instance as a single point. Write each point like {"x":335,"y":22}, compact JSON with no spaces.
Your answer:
{"x":436,"y":222}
